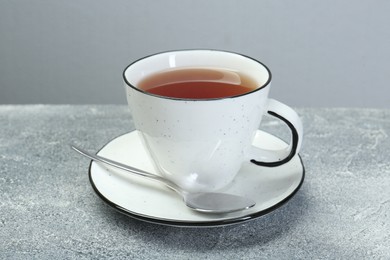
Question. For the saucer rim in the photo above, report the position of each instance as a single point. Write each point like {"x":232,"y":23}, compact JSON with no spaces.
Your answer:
{"x":192,"y":223}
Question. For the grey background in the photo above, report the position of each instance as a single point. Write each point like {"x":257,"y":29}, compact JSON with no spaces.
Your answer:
{"x":321,"y":53}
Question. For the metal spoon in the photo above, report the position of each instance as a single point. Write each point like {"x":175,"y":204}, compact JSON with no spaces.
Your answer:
{"x":207,"y":202}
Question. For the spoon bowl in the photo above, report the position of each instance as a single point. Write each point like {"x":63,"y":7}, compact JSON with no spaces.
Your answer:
{"x":206,"y":202}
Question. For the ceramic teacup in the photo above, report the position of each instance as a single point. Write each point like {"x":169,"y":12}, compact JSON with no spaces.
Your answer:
{"x":201,"y":143}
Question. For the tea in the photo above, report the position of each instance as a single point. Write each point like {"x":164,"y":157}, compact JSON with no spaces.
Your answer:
{"x":198,"y":83}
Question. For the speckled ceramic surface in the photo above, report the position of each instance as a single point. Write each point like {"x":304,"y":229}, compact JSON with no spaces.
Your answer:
{"x":200,"y":144}
{"x":149,"y":201}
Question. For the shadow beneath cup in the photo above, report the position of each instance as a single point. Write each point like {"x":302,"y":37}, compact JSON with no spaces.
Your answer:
{"x":259,"y":231}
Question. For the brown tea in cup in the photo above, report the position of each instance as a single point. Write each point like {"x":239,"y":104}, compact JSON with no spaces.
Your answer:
{"x":198,"y":83}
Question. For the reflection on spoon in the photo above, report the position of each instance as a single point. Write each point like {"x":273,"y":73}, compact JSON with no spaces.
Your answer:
{"x":207,"y":202}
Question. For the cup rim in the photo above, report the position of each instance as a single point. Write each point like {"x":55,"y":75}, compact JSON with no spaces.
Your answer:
{"x":128,"y":84}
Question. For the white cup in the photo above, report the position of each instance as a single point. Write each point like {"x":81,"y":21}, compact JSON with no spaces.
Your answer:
{"x":201,"y":144}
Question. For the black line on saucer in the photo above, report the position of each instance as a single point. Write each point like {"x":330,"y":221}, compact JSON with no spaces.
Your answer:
{"x":193,"y":224}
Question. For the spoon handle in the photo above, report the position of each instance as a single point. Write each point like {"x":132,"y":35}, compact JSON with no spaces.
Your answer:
{"x":127,"y":168}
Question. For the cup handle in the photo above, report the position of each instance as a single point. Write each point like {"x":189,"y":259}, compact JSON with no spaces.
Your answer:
{"x":272,"y":158}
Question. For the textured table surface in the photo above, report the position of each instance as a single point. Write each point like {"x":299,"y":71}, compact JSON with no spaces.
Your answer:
{"x":48,"y":209}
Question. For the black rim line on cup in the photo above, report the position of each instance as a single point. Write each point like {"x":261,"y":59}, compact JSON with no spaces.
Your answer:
{"x":194,"y":224}
{"x":128,"y":84}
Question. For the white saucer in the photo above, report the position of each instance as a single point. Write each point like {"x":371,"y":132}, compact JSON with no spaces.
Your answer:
{"x":150,"y":201}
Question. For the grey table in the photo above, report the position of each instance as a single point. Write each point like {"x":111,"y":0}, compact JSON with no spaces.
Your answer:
{"x":48,"y":209}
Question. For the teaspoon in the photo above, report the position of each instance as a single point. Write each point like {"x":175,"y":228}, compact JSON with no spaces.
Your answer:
{"x":207,"y":202}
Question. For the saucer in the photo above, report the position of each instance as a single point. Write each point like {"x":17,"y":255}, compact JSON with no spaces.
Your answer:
{"x":151,"y":201}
